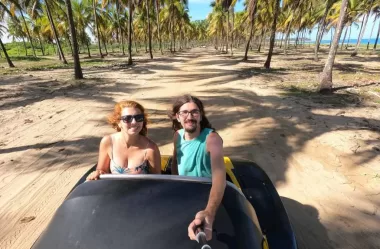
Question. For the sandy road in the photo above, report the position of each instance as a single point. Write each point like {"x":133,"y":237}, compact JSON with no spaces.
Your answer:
{"x":321,"y":156}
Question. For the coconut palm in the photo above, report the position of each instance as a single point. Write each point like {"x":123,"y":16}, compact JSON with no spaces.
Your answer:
{"x":3,"y":10}
{"x":82,"y":20}
{"x":35,"y":10}
{"x":96,"y":24}
{"x":326,"y":75}
{"x":273,"y":33}
{"x":157,"y":4}
{"x":366,"y":7}
{"x":77,"y":67}
{"x":216,"y":26}
{"x":15,"y":4}
{"x":131,"y":6}
{"x":322,"y":24}
{"x":148,"y":5}
{"x":251,"y":9}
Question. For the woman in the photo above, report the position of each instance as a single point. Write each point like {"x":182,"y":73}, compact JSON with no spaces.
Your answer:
{"x":129,"y":150}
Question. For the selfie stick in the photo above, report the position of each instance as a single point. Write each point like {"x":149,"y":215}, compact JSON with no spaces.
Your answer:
{"x":201,"y":239}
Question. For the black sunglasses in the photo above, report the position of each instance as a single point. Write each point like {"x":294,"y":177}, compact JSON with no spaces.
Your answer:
{"x":129,"y":118}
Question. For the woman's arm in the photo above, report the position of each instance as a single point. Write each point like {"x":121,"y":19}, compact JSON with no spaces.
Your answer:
{"x":154,"y":158}
{"x":103,"y":166}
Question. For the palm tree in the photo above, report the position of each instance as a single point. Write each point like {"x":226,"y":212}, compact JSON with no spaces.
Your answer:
{"x":376,"y":10}
{"x":96,"y":24}
{"x":216,"y":24}
{"x":15,"y":4}
{"x":82,"y":20}
{"x":273,"y":33}
{"x":130,"y":6}
{"x":147,"y":3}
{"x":5,"y":9}
{"x":367,"y":6}
{"x":77,"y":67}
{"x":6,"y":54}
{"x":377,"y":38}
{"x":251,"y":10}
{"x":35,"y":9}
{"x":326,"y":75}
{"x":55,"y":33}
{"x":157,"y":5}
{"x":321,"y":27}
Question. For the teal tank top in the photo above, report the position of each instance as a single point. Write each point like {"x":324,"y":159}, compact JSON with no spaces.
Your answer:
{"x":192,"y":157}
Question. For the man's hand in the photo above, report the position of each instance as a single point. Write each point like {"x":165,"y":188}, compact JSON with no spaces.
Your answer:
{"x":202,"y":219}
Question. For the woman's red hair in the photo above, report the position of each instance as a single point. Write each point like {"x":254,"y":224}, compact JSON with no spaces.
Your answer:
{"x":114,"y":118}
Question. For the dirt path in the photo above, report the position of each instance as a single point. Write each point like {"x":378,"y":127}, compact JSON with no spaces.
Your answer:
{"x":324,"y":157}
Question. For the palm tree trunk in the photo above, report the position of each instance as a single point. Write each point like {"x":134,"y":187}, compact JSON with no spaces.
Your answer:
{"x":326,"y":75}
{"x":273,"y":34}
{"x":250,"y":32}
{"x":286,"y":40}
{"x":42,"y":47}
{"x":77,"y":67}
{"x":174,"y":39}
{"x":282,"y":39}
{"x":170,"y":34}
{"x":158,"y":25}
{"x":149,"y":31}
{"x":332,"y":37}
{"x":344,"y":38}
{"x":121,"y":29}
{"x":172,"y":27}
{"x":60,"y":51}
{"x":69,"y":41}
{"x":94,"y":3}
{"x":105,"y":44}
{"x":180,"y":36}
{"x":377,"y":39}
{"x":248,"y":41}
{"x":10,"y":63}
{"x":130,"y":33}
{"x":362,"y":31}
{"x":297,"y":38}
{"x":88,"y":49}
{"x":349,"y":37}
{"x":28,"y":33}
{"x":26,"y":47}
{"x":232,"y":32}
{"x":261,"y":40}
{"x":321,"y":27}
{"x":228,"y":30}
{"x":370,"y":36}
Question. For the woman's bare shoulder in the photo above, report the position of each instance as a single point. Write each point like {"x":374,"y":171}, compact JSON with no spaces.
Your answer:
{"x":152,"y":145}
{"x":107,"y":140}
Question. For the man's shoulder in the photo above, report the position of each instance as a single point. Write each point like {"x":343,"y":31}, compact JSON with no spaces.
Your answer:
{"x":214,"y":139}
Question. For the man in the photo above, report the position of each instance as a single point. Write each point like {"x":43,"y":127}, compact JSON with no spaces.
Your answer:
{"x":198,"y":151}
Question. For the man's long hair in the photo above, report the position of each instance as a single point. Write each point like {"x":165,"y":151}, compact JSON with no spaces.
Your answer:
{"x":180,"y":102}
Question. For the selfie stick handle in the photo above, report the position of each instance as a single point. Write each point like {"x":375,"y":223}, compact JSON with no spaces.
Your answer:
{"x":201,"y":239}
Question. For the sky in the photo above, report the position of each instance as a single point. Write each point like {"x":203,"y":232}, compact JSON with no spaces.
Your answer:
{"x":199,"y":10}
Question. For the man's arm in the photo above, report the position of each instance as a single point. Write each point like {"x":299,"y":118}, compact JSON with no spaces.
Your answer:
{"x":215,"y":147}
{"x":207,"y":216}
{"x":174,"y":168}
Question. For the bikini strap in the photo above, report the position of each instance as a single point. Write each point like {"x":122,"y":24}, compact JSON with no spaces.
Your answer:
{"x":111,"y":147}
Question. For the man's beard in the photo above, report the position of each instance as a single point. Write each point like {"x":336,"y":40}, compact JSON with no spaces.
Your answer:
{"x":192,"y":129}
